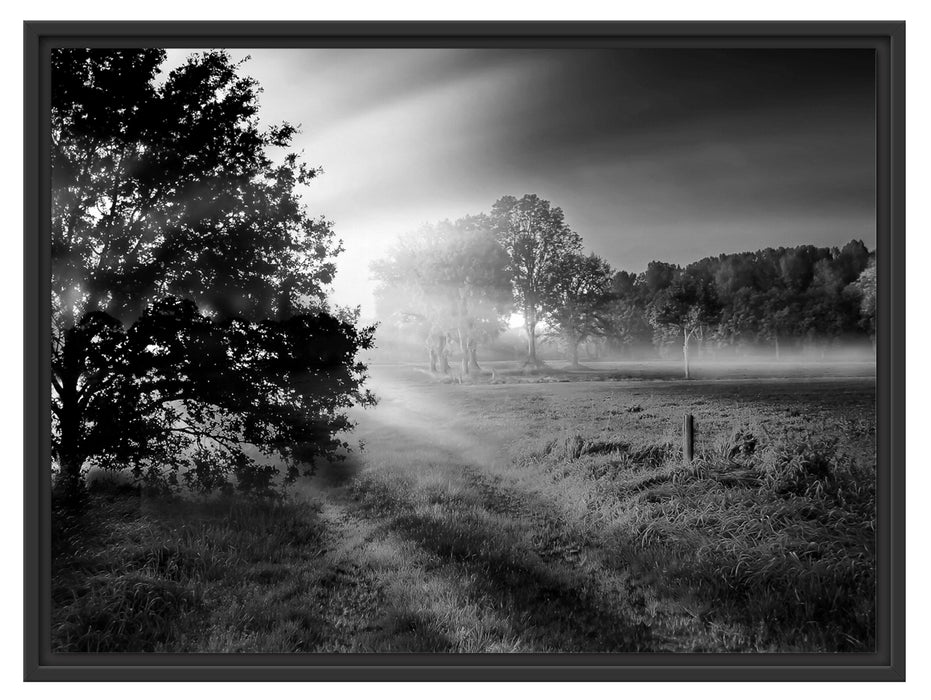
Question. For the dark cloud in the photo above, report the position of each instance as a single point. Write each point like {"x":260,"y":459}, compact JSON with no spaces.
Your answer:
{"x":653,"y":154}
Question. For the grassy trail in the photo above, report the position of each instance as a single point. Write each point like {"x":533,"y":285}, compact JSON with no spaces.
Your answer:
{"x":527,"y":517}
{"x":478,"y":561}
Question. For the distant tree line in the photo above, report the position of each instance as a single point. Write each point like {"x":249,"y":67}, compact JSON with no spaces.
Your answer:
{"x":455,"y":285}
{"x":805,"y":296}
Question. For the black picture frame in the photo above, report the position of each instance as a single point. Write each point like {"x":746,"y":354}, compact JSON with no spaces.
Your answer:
{"x":886,"y":664}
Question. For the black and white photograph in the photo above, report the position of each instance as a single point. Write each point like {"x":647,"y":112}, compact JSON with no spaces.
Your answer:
{"x":463,"y":350}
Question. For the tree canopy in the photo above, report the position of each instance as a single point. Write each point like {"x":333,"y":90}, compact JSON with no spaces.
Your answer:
{"x":579,"y":304}
{"x":688,"y":305}
{"x":804,"y":295}
{"x":451,"y":280}
{"x":191,"y":330}
{"x":169,"y":187}
{"x":865,"y":289}
{"x":537,"y":241}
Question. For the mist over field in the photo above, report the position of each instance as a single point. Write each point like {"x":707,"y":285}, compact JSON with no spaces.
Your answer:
{"x":463,"y":351}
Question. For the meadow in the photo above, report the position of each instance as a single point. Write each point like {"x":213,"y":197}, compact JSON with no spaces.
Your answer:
{"x":547,"y":512}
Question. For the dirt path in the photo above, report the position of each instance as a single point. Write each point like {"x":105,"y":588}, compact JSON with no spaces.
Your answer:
{"x":443,"y":552}
{"x":389,"y":592}
{"x":451,"y":531}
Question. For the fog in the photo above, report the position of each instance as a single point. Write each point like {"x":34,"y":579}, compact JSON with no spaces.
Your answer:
{"x":406,"y":345}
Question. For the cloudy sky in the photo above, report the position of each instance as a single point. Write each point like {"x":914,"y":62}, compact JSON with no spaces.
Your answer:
{"x":652,"y":154}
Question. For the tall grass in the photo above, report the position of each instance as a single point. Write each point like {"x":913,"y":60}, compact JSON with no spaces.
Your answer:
{"x":773,"y":533}
{"x":136,"y":574}
{"x":573,"y":524}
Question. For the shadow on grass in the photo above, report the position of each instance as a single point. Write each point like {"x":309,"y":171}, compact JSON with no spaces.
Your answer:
{"x":555,"y":610}
{"x":131,"y":574}
{"x":547,"y":603}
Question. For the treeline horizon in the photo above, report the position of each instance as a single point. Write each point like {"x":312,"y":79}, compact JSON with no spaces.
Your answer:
{"x":455,"y":285}
{"x":802,"y":297}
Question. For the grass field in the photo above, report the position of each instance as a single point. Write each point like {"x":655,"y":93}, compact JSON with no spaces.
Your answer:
{"x":529,"y":513}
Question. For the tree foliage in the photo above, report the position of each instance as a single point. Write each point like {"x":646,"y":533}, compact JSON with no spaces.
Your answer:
{"x":688,"y":305}
{"x":537,"y":241}
{"x":190,"y":322}
{"x":178,"y":395}
{"x":451,"y":281}
{"x":170,"y":188}
{"x":805,"y":296}
{"x":579,"y":304}
{"x":865,"y":289}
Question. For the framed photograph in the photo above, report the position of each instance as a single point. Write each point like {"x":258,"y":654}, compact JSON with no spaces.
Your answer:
{"x":464,"y":351}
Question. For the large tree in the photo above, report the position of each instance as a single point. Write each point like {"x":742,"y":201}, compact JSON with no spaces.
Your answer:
{"x":451,"y":281}
{"x":580,"y":302}
{"x":190,"y":323}
{"x":538,"y":242}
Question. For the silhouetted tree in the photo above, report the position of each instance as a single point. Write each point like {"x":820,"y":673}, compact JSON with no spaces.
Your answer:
{"x":176,"y":238}
{"x":179,"y":396}
{"x":851,"y":261}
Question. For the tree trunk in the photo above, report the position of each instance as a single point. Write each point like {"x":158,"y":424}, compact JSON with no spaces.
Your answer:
{"x":70,"y":456}
{"x":444,"y":359}
{"x":530,"y":323}
{"x":464,"y":349}
{"x":473,"y":356}
{"x":685,"y":352}
{"x":575,"y":353}
{"x":70,"y":461}
{"x":776,"y":341}
{"x":436,"y":343}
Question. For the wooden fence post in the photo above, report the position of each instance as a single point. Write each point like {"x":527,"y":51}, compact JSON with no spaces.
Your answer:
{"x":688,"y":437}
